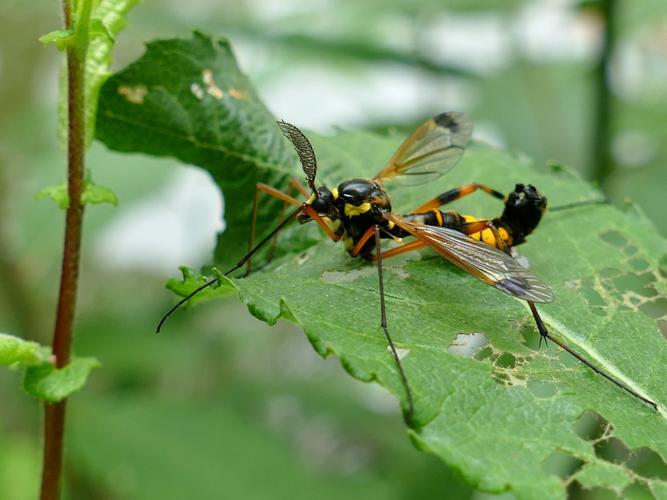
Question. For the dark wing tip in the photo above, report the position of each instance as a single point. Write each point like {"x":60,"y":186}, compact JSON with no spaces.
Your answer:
{"x":448,"y":120}
{"x":458,"y":123}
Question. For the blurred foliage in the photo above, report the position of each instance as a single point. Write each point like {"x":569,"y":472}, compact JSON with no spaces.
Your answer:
{"x":218,"y":367}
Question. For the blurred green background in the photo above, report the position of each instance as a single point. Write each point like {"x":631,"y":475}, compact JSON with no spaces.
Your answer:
{"x":220,"y":405}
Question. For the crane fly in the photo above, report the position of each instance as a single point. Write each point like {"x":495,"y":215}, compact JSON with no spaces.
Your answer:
{"x":358,"y":213}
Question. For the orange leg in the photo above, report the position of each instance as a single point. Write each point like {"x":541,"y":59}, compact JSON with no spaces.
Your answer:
{"x":360,"y":244}
{"x":406,"y":247}
{"x":265,"y":188}
{"x":392,"y":252}
{"x":474,"y":227}
{"x":271,"y":191}
{"x":293,"y":184}
{"x":455,"y":194}
{"x":316,"y":217}
{"x":299,"y":187}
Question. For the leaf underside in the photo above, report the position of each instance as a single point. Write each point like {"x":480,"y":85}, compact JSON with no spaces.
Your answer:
{"x":497,"y":416}
{"x":45,"y":381}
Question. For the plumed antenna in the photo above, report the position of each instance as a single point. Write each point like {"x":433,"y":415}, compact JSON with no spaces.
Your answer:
{"x":304,"y":149}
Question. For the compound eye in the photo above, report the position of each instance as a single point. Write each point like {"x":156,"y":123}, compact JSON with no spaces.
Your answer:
{"x":519,"y":188}
{"x":319,"y":205}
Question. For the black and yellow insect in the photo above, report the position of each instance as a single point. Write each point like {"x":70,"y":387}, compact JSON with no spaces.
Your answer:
{"x":358,"y":212}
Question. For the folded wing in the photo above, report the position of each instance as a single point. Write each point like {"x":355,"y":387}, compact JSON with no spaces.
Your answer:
{"x":484,"y":262}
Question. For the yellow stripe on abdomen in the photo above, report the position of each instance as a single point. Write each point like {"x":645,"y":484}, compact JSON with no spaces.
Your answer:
{"x":487,"y":235}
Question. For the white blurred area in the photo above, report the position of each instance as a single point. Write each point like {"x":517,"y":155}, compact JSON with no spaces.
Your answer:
{"x":178,"y":225}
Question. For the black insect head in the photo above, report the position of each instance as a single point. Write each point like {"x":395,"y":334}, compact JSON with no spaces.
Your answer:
{"x":304,"y":149}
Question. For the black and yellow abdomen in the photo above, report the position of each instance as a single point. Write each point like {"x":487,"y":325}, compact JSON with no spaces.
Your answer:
{"x":487,"y":235}
{"x":458,"y":222}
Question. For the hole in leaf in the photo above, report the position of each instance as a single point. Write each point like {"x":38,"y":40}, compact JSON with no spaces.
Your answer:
{"x":609,"y":272}
{"x":502,"y":378}
{"x":647,"y":463}
{"x":633,"y":300}
{"x":637,"y":490}
{"x":483,"y":354}
{"x":663,"y":266}
{"x":643,"y":462}
{"x":577,"y":491}
{"x":561,"y":464}
{"x":630,"y":250}
{"x":638,"y":264}
{"x":614,"y":238}
{"x":590,"y":426}
{"x":635,"y":282}
{"x":469,"y":345}
{"x":612,"y":450}
{"x":649,"y":291}
{"x":656,"y":308}
{"x":505,"y":360}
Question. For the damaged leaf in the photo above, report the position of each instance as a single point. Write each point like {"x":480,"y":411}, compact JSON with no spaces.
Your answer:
{"x":495,"y":417}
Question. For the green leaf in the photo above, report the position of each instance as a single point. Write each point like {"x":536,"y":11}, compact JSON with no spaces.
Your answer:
{"x":56,"y":193}
{"x":61,"y":38}
{"x":17,"y":351}
{"x":605,"y":474}
{"x":92,"y":194}
{"x":200,"y":109}
{"x":45,"y":381}
{"x":98,"y":28}
{"x":96,"y":195}
{"x":108,"y":18}
{"x":496,"y":417}
{"x":191,"y":282}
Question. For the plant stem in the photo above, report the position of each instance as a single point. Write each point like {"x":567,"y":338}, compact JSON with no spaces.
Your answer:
{"x":54,"y":422}
{"x":602,"y":160}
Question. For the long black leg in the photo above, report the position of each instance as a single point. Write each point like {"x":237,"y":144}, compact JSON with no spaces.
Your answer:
{"x":546,"y":335}
{"x":238,"y":265}
{"x":383,"y":324}
{"x":276,"y":193}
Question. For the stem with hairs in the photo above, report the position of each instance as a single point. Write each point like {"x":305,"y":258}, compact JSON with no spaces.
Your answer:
{"x":54,"y":413}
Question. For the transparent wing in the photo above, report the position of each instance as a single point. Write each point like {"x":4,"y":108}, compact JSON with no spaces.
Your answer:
{"x":433,"y":149}
{"x":484,"y":262}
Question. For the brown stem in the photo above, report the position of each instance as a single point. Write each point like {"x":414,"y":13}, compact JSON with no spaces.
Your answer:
{"x":54,"y":414}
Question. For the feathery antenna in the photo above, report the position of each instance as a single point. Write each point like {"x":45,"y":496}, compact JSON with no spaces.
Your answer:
{"x":304,"y":149}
